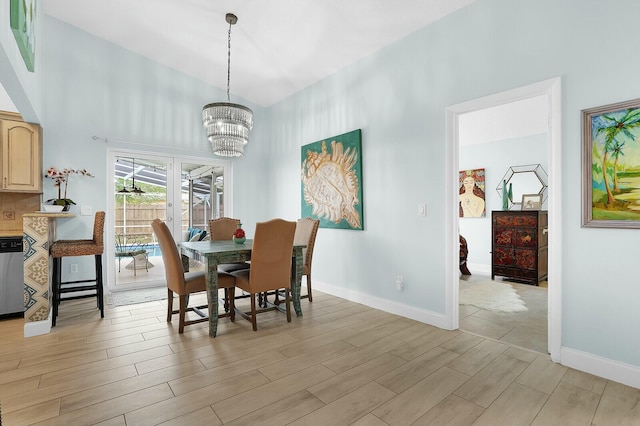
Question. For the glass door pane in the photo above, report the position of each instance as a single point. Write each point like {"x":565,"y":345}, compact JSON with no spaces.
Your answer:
{"x":140,"y":196}
{"x":202,"y":194}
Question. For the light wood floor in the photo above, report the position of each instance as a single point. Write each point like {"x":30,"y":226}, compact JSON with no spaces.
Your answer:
{"x":341,"y":363}
{"x":525,"y":329}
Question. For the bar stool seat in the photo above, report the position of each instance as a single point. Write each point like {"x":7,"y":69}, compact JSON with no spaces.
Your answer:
{"x":79,"y":289}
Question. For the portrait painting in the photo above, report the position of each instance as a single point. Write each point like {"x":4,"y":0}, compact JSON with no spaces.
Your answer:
{"x":471,"y":190}
{"x":531,"y":202}
{"x":332,"y":181}
{"x":611,"y":166}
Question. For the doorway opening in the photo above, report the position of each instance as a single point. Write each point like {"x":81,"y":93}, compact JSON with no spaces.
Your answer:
{"x":509,"y":145}
{"x":550,"y":91}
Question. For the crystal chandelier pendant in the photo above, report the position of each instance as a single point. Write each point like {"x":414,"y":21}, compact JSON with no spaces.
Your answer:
{"x":227,"y":125}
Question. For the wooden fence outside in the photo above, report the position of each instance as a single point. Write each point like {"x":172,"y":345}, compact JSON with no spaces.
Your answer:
{"x":139,"y":218}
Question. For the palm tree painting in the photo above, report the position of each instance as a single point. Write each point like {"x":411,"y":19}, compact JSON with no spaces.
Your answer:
{"x":612,"y":161}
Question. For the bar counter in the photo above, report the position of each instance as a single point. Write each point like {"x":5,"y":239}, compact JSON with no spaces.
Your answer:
{"x":39,"y":231}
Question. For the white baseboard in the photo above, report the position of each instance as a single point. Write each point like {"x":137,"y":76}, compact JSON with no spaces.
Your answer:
{"x":603,"y":367}
{"x":37,"y":328}
{"x":422,"y":315}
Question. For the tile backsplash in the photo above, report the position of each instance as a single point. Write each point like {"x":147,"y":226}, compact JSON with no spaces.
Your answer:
{"x":13,"y":206}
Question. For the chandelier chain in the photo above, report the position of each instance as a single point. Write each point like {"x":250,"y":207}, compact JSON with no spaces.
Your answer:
{"x":227,"y":125}
{"x":229,"y":64}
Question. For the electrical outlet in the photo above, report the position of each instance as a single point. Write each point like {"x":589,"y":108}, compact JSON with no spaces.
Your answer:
{"x":422,"y":210}
{"x":86,"y":210}
{"x":74,"y":268}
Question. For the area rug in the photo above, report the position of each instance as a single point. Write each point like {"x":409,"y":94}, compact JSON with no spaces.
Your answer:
{"x":133,"y":297}
{"x":491,"y":295}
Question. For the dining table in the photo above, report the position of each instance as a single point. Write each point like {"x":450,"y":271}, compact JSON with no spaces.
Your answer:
{"x":214,"y":253}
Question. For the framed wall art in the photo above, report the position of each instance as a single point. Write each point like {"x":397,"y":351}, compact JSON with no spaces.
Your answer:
{"x":332,"y":181}
{"x":531,"y":202}
{"x":471,"y":190}
{"x":611,"y":166}
{"x":23,"y":19}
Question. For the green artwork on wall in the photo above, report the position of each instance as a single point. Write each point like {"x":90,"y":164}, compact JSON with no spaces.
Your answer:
{"x":611,"y":165}
{"x":332,"y":181}
{"x":23,"y":18}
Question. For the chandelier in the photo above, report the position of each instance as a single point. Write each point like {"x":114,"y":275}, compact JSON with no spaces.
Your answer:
{"x":227,"y":125}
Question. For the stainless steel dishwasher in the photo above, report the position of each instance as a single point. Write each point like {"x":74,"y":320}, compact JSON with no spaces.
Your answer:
{"x":11,"y":277}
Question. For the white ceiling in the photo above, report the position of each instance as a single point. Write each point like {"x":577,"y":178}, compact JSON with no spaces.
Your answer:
{"x":278,"y":47}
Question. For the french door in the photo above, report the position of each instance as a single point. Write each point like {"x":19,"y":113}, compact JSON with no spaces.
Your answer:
{"x":184,"y":192}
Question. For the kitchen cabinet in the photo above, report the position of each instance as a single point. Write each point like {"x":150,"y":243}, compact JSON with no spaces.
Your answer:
{"x":519,"y":247}
{"x":21,"y":148}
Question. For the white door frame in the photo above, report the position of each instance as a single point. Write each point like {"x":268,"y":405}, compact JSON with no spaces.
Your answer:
{"x":552,"y":89}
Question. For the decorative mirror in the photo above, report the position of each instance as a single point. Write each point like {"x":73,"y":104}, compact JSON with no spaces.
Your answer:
{"x":527,"y":179}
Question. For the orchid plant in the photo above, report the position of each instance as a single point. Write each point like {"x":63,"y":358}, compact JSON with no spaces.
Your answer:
{"x":61,"y":178}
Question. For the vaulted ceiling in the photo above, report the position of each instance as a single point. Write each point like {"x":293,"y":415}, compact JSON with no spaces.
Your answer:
{"x":278,"y":47}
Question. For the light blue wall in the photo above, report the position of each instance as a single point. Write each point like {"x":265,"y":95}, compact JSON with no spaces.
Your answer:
{"x":398,"y":98}
{"x":496,"y":158}
{"x":96,"y":88}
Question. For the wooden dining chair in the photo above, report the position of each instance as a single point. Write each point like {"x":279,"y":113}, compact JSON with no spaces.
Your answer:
{"x":306,"y":231}
{"x":183,"y":284}
{"x":222,"y":229}
{"x":270,"y":265}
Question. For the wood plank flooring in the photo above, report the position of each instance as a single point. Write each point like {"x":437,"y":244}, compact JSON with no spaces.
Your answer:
{"x":340,"y":364}
{"x":525,"y":329}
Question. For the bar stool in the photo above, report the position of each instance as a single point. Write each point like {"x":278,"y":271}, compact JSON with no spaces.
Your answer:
{"x":70,"y":248}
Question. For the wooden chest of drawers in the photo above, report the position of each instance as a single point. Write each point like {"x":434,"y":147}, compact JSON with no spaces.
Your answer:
{"x":519,"y":245}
